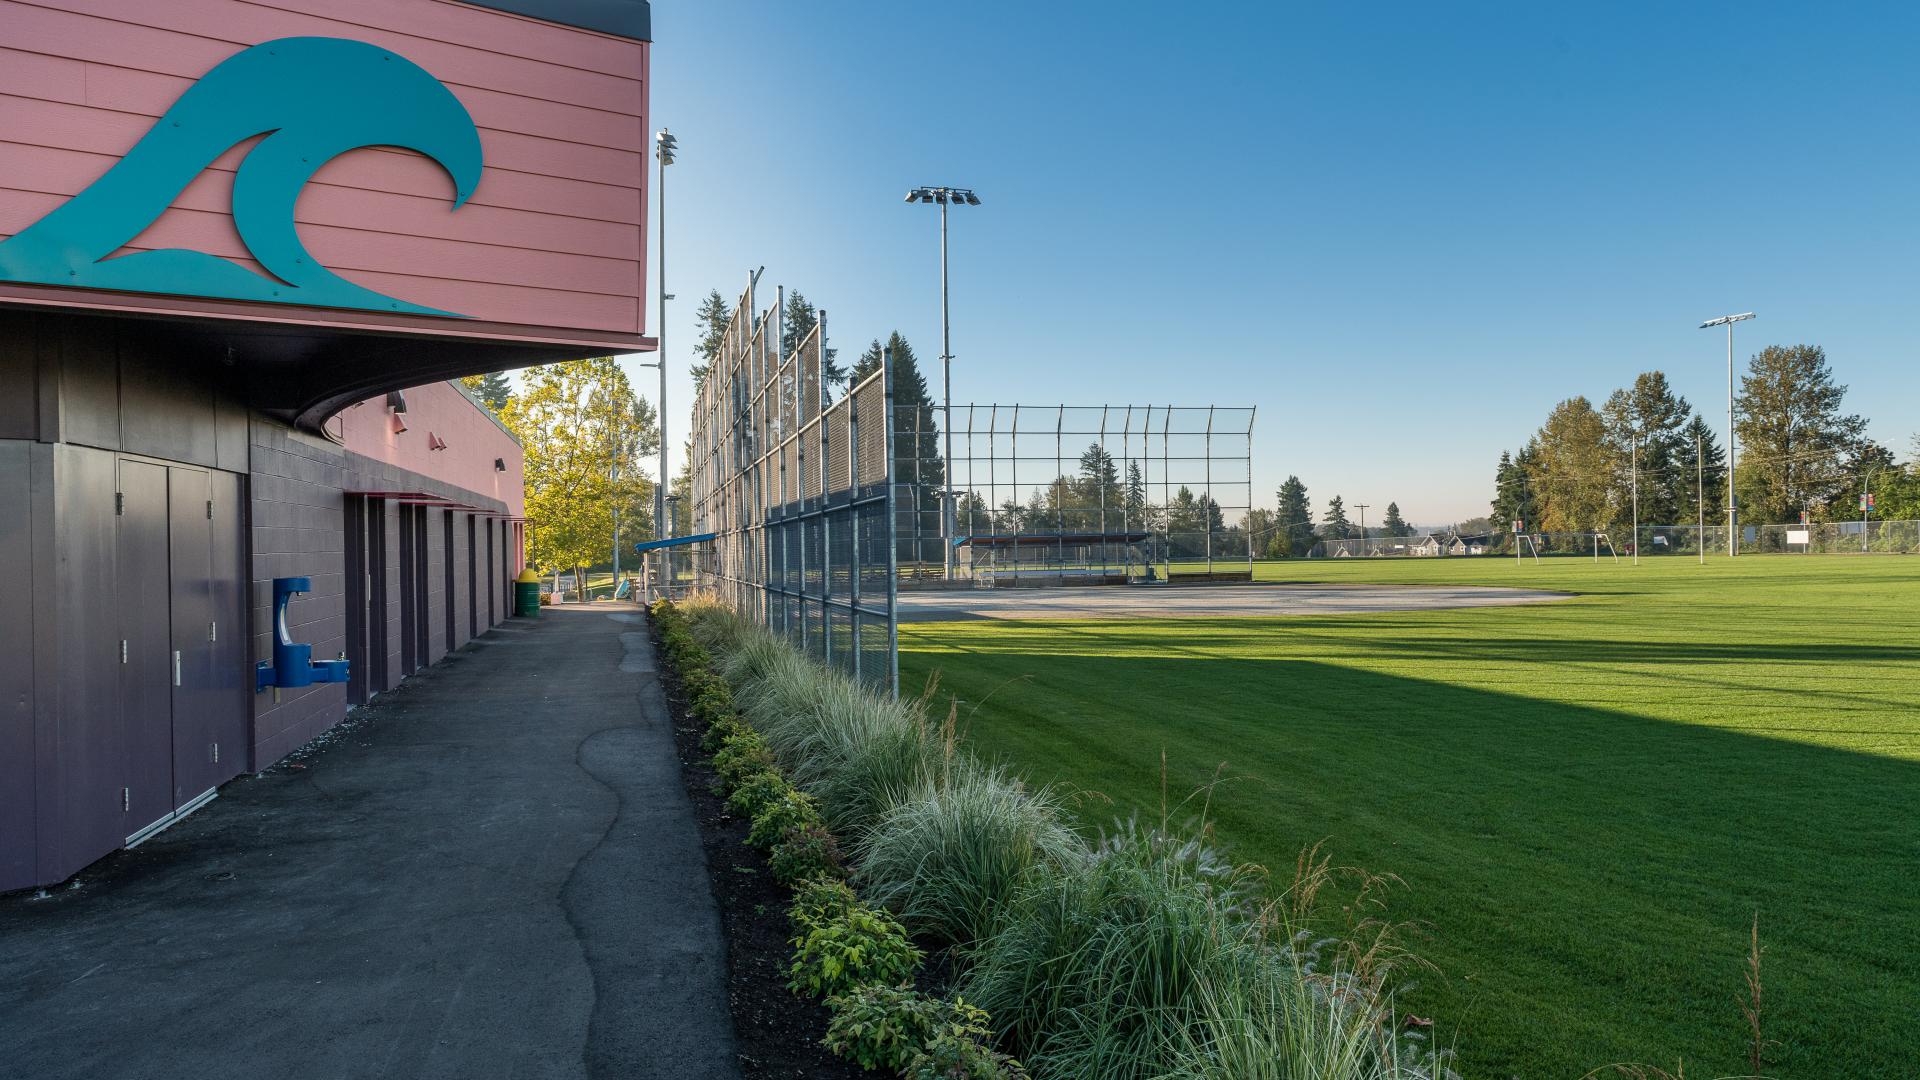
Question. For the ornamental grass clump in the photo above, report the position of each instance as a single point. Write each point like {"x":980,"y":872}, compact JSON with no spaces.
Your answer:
{"x":949,"y":859}
{"x":1094,"y":967}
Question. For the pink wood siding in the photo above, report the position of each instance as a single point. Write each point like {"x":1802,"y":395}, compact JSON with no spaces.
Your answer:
{"x":551,"y":246}
{"x":439,"y":411}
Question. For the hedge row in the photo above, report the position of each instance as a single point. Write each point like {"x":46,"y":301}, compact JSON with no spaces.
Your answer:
{"x":856,"y":956}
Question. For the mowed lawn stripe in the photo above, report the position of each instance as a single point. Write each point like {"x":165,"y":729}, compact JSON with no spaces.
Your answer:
{"x":1588,"y":799}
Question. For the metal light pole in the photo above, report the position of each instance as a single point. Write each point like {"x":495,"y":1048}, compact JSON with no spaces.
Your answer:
{"x":664,"y":146}
{"x":1362,"y":507}
{"x":958,"y":197}
{"x":1733,"y":513}
{"x":1634,"y":464}
{"x":1700,"y":493}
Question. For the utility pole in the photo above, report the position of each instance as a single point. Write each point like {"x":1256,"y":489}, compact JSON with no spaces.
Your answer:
{"x":1634,"y":463}
{"x":1362,"y":507}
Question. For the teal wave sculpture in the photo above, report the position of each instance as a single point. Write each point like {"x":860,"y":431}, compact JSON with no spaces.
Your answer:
{"x":314,"y":98}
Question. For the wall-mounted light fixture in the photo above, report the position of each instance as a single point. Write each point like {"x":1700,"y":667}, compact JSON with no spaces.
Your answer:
{"x":499,"y":464}
{"x":397,"y":409}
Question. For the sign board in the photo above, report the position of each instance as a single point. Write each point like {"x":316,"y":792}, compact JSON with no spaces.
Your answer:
{"x":1799,"y":536}
{"x":1518,"y":526}
{"x":563,"y":583}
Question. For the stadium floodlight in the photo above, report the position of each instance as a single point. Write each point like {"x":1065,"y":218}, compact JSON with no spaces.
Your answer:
{"x":1733,"y":515}
{"x":957,"y":197}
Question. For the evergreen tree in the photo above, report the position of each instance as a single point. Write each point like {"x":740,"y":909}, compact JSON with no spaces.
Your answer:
{"x":1336,"y":526}
{"x":712,"y":318}
{"x":1794,"y":440}
{"x":1395,"y":525}
{"x":1139,"y":515}
{"x":1506,"y":493}
{"x":1652,"y":415}
{"x":916,"y":450}
{"x":1295,"y":518}
{"x":1097,"y":490}
{"x":798,"y":321}
{"x":1703,"y":474}
{"x":492,"y":388}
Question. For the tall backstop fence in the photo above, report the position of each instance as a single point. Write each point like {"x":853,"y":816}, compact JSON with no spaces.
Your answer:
{"x":1063,"y":494}
{"x":795,"y":488}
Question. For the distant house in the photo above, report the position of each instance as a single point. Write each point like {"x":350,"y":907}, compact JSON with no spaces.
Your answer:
{"x":1469,"y":545}
{"x":1427,"y":545}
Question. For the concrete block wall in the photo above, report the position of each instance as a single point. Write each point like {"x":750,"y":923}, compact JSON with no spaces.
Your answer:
{"x":297,"y":505}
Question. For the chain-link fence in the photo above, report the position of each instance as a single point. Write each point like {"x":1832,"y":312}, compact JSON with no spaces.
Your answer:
{"x":795,"y":489}
{"x":1817,"y":538}
{"x":1062,"y":494}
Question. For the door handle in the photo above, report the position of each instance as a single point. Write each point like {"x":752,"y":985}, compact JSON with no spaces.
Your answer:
{"x":176,"y":667}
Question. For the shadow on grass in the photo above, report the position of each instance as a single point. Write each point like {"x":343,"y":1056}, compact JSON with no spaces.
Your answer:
{"x":1587,"y":874}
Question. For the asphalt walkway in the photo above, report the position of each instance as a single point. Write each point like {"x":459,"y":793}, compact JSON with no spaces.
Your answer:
{"x":492,"y":871}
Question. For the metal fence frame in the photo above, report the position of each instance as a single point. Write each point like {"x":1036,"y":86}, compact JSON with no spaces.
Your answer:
{"x":797,"y":490}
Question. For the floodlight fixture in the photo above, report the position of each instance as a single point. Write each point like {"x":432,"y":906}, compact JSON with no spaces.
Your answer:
{"x":1727,"y":320}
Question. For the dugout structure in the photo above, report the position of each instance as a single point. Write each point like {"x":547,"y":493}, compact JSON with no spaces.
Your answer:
{"x":794,"y":483}
{"x":1066,"y":495}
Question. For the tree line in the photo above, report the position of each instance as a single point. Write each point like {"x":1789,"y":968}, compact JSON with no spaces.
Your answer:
{"x":1799,"y":452}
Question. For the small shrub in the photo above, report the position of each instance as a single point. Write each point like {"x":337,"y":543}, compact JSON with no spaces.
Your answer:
{"x":714,"y":706}
{"x":902,"y":1030}
{"x":959,"y":1049}
{"x":818,"y":902}
{"x":740,"y":756}
{"x":880,"y":1027}
{"x":804,"y":853}
{"x":861,"y":948}
{"x":792,"y":810}
{"x":718,"y":733}
{"x":756,"y":791}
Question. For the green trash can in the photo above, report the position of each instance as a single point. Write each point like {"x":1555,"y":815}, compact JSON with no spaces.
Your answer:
{"x":526,"y":594}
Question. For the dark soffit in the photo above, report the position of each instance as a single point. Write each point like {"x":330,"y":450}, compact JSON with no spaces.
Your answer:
{"x":626,"y":18}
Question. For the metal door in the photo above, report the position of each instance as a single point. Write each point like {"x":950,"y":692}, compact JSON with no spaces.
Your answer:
{"x":196,"y":724}
{"x":224,"y":699}
{"x":143,"y":601}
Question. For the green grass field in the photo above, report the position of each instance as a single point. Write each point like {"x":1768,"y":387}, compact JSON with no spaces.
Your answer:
{"x":1588,"y":800}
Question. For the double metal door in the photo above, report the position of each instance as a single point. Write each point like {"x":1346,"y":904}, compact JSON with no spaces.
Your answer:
{"x":183,"y":673}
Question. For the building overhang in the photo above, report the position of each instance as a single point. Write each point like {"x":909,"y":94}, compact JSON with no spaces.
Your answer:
{"x":305,"y":372}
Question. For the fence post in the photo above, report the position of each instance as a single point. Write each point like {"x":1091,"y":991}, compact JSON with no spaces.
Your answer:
{"x":893,"y":546}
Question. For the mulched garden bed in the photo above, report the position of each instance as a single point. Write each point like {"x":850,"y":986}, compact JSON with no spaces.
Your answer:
{"x":778,"y":1032}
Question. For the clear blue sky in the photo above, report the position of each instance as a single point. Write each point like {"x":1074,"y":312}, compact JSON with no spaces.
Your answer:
{"x":1402,"y":231}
